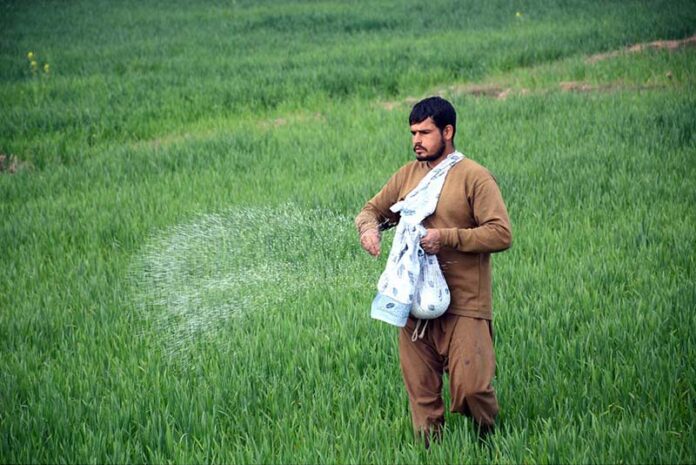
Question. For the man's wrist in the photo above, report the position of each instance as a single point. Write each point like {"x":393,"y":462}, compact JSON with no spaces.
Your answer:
{"x":447,"y":236}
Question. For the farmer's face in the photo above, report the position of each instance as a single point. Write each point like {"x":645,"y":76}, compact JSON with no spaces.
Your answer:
{"x":428,"y":141}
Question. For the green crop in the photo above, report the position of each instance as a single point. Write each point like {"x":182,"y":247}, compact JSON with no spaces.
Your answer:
{"x":181,"y":281}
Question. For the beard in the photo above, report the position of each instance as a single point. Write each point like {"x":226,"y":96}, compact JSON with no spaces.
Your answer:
{"x":434,"y":156}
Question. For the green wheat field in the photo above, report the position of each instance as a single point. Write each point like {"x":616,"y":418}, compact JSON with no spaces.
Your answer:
{"x":181,"y":281}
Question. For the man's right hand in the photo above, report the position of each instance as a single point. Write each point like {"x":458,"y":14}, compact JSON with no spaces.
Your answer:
{"x":370,"y":241}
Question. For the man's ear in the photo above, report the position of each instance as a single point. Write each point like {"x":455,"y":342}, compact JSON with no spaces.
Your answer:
{"x":448,"y":132}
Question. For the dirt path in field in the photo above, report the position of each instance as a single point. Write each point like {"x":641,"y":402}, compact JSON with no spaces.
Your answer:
{"x":637,"y":48}
{"x":501,"y":92}
{"x":10,"y":164}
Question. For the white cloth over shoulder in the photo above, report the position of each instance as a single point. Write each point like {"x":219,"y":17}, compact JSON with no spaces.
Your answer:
{"x":412,"y":280}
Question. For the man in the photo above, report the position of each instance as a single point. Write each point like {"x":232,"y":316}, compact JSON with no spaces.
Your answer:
{"x":469,"y":223}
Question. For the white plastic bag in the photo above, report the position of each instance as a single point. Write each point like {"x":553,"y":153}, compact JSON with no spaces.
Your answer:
{"x":432,"y":294}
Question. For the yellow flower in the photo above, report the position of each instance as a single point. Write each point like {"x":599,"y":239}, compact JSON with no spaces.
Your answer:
{"x":30,"y":56}
{"x":518,"y":14}
{"x":34,"y":64}
{"x":47,"y":68}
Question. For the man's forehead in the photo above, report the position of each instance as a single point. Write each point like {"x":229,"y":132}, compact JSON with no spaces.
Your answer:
{"x":427,"y":123}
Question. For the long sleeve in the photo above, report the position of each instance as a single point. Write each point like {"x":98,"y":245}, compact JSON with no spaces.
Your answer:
{"x":492,"y":233}
{"x":376,"y":213}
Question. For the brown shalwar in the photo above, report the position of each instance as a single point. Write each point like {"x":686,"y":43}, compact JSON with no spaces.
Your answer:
{"x":461,"y":346}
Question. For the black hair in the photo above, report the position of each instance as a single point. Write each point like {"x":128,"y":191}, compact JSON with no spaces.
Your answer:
{"x":440,"y":110}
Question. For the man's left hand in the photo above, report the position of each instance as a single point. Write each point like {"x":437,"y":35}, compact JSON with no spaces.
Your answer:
{"x":431,"y":242}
